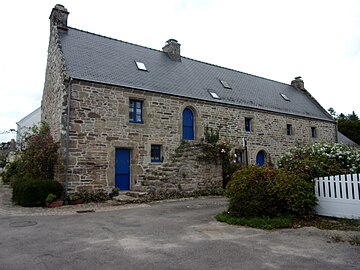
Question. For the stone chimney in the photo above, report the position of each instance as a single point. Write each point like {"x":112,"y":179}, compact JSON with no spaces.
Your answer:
{"x":58,"y":16}
{"x":172,"y":48}
{"x":298,"y":83}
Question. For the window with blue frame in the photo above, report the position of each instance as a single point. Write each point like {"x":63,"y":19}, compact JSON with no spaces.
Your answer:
{"x":247,"y":124}
{"x":188,"y":124}
{"x":156,"y":153}
{"x":135,"y":111}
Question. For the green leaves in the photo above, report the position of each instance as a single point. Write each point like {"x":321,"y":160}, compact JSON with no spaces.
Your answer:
{"x":321,"y":159}
{"x":256,"y":192}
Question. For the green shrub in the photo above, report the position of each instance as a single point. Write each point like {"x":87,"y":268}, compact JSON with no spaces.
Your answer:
{"x":99,"y":195}
{"x":295,"y":192}
{"x":256,"y":192}
{"x":50,"y":198}
{"x":321,"y":159}
{"x":12,"y":170}
{"x":40,"y":155}
{"x":248,"y":193}
{"x":30,"y":193}
{"x":37,"y":160}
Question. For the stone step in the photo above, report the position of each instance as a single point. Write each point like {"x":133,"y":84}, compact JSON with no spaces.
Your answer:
{"x":136,"y":194}
{"x":133,"y":194}
{"x":124,"y":198}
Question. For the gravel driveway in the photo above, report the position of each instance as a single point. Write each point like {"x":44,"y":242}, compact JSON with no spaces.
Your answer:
{"x":180,"y":234}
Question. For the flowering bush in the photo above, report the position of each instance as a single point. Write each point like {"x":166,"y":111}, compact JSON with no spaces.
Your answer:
{"x":40,"y":155}
{"x":37,"y":159}
{"x":321,"y":159}
{"x":219,"y":152}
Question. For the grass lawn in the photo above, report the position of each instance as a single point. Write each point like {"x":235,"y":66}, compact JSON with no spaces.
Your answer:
{"x":325,"y":223}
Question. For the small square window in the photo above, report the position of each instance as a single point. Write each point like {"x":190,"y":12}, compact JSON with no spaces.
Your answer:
{"x":156,"y":153}
{"x":289,"y":130}
{"x":214,"y":94}
{"x":141,"y":66}
{"x":313,"y":132}
{"x":225,"y":84}
{"x":135,"y":111}
{"x":285,"y":97}
{"x":247,"y":124}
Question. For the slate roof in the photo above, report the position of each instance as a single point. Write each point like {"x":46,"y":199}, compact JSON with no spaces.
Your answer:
{"x":101,"y":59}
{"x":345,"y":140}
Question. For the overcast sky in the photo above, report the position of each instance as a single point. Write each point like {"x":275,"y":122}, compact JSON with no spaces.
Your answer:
{"x":279,"y":40}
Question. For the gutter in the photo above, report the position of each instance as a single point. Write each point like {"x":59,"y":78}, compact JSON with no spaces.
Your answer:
{"x":248,"y":107}
{"x":67,"y":138}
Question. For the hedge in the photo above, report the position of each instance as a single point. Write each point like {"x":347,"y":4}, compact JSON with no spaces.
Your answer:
{"x":31,"y":193}
{"x":255,"y":192}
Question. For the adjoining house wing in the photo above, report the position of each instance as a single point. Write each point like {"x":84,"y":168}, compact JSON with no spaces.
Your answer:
{"x":345,"y":140}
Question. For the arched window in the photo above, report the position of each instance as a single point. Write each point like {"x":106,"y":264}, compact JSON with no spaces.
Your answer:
{"x":188,"y":124}
{"x":261,"y":158}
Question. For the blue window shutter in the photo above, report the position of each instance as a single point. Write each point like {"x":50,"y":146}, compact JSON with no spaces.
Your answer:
{"x":188,"y":124}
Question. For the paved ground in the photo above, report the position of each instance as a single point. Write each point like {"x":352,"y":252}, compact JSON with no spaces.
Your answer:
{"x":164,"y":235}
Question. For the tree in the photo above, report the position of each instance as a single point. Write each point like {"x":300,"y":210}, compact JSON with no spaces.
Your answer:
{"x":40,"y":155}
{"x":349,"y":125}
{"x":332,"y":113}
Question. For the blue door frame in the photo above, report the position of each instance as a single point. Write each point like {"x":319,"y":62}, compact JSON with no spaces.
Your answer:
{"x":260,"y":158}
{"x":188,"y":124}
{"x":122,"y":168}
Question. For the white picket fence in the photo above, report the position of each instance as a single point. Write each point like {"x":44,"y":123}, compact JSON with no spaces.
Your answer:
{"x":338,"y":196}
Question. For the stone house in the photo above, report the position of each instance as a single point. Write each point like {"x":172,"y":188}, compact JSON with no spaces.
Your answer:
{"x":121,"y":112}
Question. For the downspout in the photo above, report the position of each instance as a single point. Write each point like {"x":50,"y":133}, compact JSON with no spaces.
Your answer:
{"x":336,"y":132}
{"x":67,"y":139}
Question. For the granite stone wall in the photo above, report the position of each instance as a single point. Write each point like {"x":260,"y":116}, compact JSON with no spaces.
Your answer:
{"x":100,"y":124}
{"x":53,"y":104}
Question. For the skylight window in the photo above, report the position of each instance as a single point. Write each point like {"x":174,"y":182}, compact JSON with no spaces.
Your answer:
{"x":214,"y":94}
{"x":225,"y":84}
{"x":140,"y":66}
{"x":285,"y":97}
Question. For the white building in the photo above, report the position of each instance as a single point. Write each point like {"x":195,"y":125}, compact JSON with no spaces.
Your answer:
{"x":23,"y":126}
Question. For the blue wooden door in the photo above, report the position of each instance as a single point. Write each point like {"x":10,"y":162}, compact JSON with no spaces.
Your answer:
{"x":188,"y":124}
{"x":122,"y":168}
{"x":260,"y":158}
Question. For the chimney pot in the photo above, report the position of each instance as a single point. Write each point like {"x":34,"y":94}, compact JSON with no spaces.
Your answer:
{"x":172,"y":48}
{"x":298,"y":83}
{"x":58,"y":16}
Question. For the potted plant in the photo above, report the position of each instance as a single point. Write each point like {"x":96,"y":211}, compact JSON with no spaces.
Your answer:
{"x":52,"y":202}
{"x":75,"y":198}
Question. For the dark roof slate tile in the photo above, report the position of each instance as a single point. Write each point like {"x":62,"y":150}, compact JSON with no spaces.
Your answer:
{"x":100,"y":59}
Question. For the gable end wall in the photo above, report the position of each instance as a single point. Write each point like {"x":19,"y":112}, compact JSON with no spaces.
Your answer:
{"x":54,"y":99}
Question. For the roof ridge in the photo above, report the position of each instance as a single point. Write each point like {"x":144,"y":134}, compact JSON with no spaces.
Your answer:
{"x":234,"y":70}
{"x":119,"y":40}
{"x":203,"y":62}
